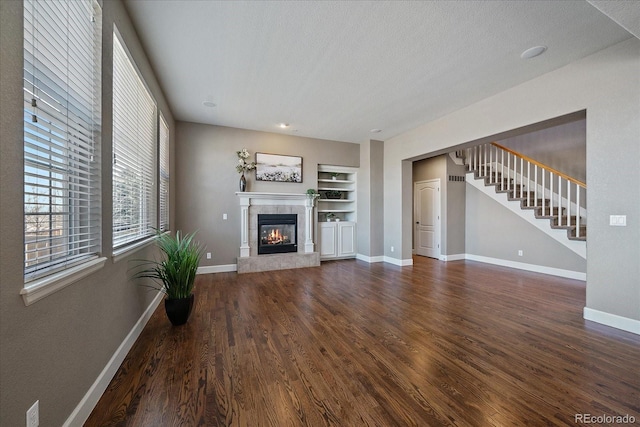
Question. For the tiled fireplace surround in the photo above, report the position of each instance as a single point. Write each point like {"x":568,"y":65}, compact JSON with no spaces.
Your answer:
{"x":252,"y":204}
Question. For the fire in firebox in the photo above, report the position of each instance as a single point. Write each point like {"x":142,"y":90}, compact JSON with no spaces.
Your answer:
{"x":274,"y":236}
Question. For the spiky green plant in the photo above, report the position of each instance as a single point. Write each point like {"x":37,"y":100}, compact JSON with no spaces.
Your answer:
{"x":175,"y":274}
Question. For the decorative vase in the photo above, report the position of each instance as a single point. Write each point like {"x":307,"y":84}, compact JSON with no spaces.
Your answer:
{"x":178,"y":310}
{"x":243,"y":183}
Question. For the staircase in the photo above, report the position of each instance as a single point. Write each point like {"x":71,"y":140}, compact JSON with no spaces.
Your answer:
{"x":550,"y":194}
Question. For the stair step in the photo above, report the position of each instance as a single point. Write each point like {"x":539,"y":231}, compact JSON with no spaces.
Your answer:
{"x":548,"y":212}
{"x":534,"y":204}
{"x":564,"y":221}
{"x":583,"y":233}
{"x":528,"y":200}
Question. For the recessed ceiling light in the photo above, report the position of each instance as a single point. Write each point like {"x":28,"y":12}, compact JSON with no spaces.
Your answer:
{"x":284,"y":125}
{"x":375,"y":130}
{"x":532,"y":52}
{"x":208,"y":104}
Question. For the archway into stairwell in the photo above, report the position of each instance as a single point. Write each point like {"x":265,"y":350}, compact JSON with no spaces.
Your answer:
{"x":560,"y":142}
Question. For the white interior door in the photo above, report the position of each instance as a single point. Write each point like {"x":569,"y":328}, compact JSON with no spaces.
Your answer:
{"x":426,"y":201}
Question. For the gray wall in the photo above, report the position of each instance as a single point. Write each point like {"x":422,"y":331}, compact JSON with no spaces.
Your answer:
{"x":456,"y":209}
{"x":370,"y":199}
{"x":496,"y":232}
{"x":562,"y":147}
{"x":607,"y":85}
{"x":54,"y":349}
{"x":206,"y":179}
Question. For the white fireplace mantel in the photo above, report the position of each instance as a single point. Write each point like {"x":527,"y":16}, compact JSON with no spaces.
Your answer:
{"x":274,"y":199}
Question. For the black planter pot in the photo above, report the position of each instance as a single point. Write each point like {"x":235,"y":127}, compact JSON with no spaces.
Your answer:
{"x":178,"y":310}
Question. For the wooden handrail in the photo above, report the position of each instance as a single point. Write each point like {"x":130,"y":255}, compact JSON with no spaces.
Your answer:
{"x":535,"y":162}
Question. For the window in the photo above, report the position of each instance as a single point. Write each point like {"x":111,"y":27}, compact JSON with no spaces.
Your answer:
{"x":164,"y":175}
{"x":62,"y":69}
{"x":134,"y":153}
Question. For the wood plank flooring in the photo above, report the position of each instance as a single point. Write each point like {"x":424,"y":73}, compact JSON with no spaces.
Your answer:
{"x":355,"y":344}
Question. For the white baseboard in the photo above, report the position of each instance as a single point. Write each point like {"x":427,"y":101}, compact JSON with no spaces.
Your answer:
{"x":81,"y":413}
{"x":569,"y":274}
{"x":613,"y":320}
{"x":400,"y":262}
{"x":369,"y":259}
{"x":217,"y":269}
{"x":454,"y":257}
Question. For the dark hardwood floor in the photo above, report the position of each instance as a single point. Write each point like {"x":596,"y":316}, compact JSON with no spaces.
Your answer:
{"x":350,"y":343}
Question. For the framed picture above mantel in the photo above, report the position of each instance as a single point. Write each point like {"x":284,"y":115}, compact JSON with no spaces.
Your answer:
{"x":278,"y":168}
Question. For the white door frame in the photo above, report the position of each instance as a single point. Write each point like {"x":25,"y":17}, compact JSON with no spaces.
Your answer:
{"x":438,"y":226}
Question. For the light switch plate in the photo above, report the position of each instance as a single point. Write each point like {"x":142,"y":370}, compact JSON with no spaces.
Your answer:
{"x":618,"y":220}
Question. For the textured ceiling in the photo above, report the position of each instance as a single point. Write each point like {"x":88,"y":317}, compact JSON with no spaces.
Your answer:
{"x":336,"y":70}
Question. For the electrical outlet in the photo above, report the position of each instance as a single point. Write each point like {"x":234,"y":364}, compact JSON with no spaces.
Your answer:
{"x":224,"y":216}
{"x":392,"y":248}
{"x":208,"y":255}
{"x":520,"y":252}
{"x":33,"y":415}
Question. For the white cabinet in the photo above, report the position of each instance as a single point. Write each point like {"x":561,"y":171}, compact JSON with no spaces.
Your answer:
{"x":337,"y":239}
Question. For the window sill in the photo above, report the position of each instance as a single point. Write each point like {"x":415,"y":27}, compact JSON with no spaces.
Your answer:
{"x":45,"y":286}
{"x":120,"y":253}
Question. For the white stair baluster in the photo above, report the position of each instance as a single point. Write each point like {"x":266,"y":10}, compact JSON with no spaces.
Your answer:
{"x":551,"y":193}
{"x":502,"y":170}
{"x":544,"y":189}
{"x":521,"y":176}
{"x":509,"y":171}
{"x":559,"y":200}
{"x":528,"y":184}
{"x":535,"y":185}
{"x":569,"y":203}
{"x":577,"y":211}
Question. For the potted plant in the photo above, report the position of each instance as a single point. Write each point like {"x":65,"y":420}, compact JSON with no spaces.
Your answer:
{"x":333,"y":194}
{"x":334,"y":175}
{"x":312,"y":193}
{"x":331,"y":216}
{"x":174,"y":274}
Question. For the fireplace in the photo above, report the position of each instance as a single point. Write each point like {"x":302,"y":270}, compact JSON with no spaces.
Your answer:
{"x":277,"y":233}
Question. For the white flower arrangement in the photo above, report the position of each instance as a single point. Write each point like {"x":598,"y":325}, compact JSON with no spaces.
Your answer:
{"x":244,"y":166}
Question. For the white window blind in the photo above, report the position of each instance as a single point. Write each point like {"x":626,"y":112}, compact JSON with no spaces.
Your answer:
{"x":164,"y":175}
{"x":62,"y":72}
{"x":134,"y":152}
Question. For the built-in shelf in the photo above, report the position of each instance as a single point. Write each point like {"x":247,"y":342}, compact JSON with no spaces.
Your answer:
{"x":334,"y":188}
{"x":336,"y":181}
{"x":337,"y":239}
